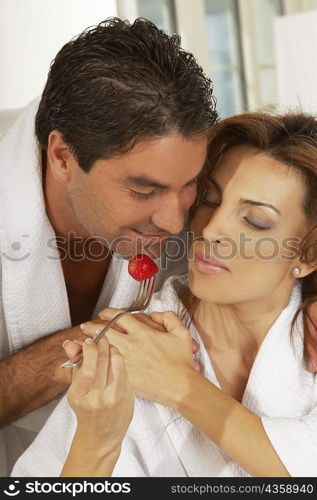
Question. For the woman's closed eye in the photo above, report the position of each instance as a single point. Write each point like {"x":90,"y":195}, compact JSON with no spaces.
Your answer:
{"x":254,"y":221}
{"x":211,"y":198}
{"x":257,"y":219}
{"x":256,"y":224}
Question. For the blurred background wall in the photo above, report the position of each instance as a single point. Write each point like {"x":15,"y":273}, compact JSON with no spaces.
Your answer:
{"x":260,"y":54}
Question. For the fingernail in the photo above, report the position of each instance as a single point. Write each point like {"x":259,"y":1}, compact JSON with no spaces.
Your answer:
{"x":63,"y":344}
{"x":99,"y":330}
{"x":82,"y":326}
{"x":89,"y":341}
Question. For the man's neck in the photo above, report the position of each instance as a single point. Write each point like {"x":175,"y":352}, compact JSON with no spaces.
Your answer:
{"x":58,"y":207}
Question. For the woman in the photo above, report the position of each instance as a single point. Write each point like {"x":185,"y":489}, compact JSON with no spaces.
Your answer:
{"x":252,"y":410}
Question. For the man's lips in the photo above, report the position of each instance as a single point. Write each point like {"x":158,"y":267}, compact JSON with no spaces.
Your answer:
{"x":151,"y":236}
{"x":209,"y":266}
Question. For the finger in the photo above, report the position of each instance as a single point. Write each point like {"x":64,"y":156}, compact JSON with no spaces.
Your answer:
{"x":100,"y":381}
{"x":87,"y":371}
{"x":72,"y":348}
{"x":129,"y":325}
{"x":117,"y":375}
{"x":109,"y":313}
{"x":149,"y":321}
{"x":91,"y":328}
{"x":119,"y":340}
{"x":170,"y":321}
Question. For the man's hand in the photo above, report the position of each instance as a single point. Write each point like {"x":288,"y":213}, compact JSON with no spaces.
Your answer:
{"x":35,"y":375}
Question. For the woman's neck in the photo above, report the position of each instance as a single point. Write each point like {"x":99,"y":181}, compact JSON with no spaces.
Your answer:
{"x":238,"y":327}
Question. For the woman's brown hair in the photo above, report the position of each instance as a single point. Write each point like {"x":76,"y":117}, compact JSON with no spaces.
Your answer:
{"x":292,"y":140}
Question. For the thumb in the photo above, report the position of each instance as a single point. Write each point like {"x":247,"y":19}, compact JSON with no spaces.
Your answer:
{"x":72,"y":348}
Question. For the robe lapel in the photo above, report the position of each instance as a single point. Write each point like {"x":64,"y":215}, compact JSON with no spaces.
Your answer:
{"x":34,"y":293}
{"x":278,"y":385}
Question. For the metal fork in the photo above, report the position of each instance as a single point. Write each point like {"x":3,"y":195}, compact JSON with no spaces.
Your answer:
{"x":139,"y":303}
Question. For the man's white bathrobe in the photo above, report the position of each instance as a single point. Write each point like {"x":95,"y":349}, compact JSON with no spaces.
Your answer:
{"x":33,"y":296}
{"x":160,"y":442}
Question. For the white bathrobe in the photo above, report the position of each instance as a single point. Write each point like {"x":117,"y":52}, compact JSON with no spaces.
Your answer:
{"x":33,"y":296}
{"x":160,"y":442}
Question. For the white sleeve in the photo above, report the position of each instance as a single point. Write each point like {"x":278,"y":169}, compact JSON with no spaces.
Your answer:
{"x":295,"y":442}
{"x":46,"y":456}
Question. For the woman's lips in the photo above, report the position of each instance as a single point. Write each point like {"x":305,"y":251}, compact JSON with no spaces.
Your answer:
{"x":209,"y":266}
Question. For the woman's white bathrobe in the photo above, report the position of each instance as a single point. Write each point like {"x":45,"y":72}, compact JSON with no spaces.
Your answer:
{"x":160,"y":442}
{"x":33,"y":295}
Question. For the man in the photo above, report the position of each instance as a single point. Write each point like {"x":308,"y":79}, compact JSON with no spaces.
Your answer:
{"x":120,"y":142}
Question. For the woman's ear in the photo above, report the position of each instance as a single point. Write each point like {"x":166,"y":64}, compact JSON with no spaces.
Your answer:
{"x":60,"y":159}
{"x":303,"y":269}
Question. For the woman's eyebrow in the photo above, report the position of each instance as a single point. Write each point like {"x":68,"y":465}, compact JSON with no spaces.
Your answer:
{"x":247,"y":202}
{"x":259,"y":204}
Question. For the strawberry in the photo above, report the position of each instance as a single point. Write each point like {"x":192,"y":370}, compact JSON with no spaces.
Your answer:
{"x":142,"y":267}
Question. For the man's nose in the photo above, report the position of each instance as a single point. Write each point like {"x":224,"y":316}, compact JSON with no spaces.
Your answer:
{"x":171,"y":215}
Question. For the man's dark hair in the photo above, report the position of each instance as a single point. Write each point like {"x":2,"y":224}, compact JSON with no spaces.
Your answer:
{"x":117,"y":84}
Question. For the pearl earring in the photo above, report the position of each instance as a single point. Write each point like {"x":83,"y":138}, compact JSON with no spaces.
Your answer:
{"x":296,"y":271}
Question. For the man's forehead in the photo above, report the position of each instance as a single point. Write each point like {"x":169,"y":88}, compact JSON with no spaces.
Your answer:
{"x":161,"y":162}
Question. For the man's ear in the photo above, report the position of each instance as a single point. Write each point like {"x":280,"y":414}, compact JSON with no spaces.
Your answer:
{"x":60,"y":159}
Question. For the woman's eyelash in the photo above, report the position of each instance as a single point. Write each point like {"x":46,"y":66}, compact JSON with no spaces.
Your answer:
{"x":256,"y":226}
{"x":210,"y":203}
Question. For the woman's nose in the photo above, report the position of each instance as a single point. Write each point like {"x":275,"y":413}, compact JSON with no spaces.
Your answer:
{"x":214,"y":229}
{"x":218,"y":237}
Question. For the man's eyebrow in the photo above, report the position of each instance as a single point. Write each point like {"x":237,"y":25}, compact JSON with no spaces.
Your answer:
{"x":247,"y":202}
{"x":143,"y":181}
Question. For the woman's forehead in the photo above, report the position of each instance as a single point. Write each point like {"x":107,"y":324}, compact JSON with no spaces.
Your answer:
{"x":244,"y":164}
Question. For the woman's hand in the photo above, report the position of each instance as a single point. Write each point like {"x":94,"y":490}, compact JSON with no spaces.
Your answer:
{"x":159,"y":361}
{"x":73,"y":348}
{"x":100,"y":394}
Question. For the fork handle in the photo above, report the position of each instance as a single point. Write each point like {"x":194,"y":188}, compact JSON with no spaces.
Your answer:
{"x":108,"y":325}
{"x":70,"y":364}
